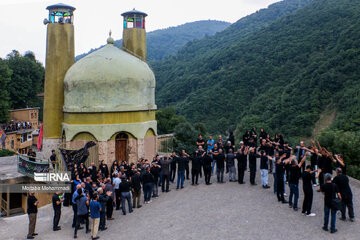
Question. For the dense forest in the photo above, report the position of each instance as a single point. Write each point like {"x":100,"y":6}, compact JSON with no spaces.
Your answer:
{"x":279,"y":68}
{"x":280,"y":76}
{"x":165,"y":42}
{"x":21,"y":79}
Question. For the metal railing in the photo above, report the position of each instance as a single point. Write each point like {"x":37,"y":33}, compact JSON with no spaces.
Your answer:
{"x":165,"y":143}
{"x":4,"y":207}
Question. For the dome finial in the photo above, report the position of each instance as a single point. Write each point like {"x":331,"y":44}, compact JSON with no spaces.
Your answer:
{"x":110,"y":40}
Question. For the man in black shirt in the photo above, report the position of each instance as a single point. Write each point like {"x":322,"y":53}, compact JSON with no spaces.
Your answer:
{"x":104,"y":168}
{"x":147,"y":181}
{"x":324,"y":162}
{"x":307,"y":177}
{"x":53,"y":158}
{"x":342,"y":182}
{"x":202,"y":153}
{"x":196,"y":166}
{"x":295,"y":173}
{"x":280,"y":170}
{"x":264,"y":169}
{"x":56,"y":202}
{"x":300,"y":152}
{"x":254,"y":135}
{"x":32,"y":210}
{"x":230,"y":165}
{"x":252,"y":164}
{"x":165,"y":162}
{"x":173,"y":167}
{"x":329,"y":190}
{"x":340,"y":163}
{"x":220,"y":158}
{"x":124,"y":189}
{"x":200,"y":141}
{"x":241,"y":157}
{"x":264,"y":146}
{"x":221,"y":142}
{"x":228,"y":147}
{"x":182,"y":161}
{"x":103,"y":198}
{"x":314,"y":163}
{"x":214,"y":152}
{"x":136,"y":188}
{"x":31,"y":155}
{"x":207,"y":160}
{"x":155,"y":171}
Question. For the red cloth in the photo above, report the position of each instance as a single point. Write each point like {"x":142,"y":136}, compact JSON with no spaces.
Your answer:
{"x":39,"y":142}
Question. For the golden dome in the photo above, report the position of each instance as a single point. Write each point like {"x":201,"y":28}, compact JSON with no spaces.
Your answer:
{"x":109,"y":80}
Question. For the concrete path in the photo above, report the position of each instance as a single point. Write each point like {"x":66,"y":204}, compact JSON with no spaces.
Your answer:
{"x":218,"y":211}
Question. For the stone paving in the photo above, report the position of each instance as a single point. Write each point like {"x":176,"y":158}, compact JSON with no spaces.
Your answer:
{"x":8,"y":168}
{"x":218,"y":211}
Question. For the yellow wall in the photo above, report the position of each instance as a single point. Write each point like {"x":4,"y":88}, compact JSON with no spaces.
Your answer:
{"x":150,"y":133}
{"x":26,"y":115}
{"x":84,"y":136}
{"x":130,"y":136}
{"x":134,"y":39}
{"x":59,"y":58}
{"x":9,"y":138}
{"x":108,"y":118}
{"x":18,"y":146}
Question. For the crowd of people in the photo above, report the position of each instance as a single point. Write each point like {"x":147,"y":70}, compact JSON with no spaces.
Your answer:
{"x":97,"y":191}
{"x":15,"y":126}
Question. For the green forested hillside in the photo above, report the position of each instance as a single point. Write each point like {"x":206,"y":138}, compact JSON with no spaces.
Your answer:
{"x":165,"y":42}
{"x":302,"y":57}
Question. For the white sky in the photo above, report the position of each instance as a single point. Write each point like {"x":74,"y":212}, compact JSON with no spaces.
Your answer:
{"x":21,"y":26}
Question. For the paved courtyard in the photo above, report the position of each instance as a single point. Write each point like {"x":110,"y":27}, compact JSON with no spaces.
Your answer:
{"x":218,"y":211}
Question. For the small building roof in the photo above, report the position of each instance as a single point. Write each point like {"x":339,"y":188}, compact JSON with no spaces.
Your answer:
{"x":22,"y":131}
{"x":24,"y":109}
{"x":132,"y":12}
{"x":60,"y":5}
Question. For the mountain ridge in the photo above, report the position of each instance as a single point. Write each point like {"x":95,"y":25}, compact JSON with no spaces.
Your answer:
{"x":165,"y":42}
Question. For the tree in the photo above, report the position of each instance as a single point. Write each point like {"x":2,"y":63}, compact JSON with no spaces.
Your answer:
{"x":5,"y":74}
{"x":27,"y":80}
{"x":200,"y":127}
{"x":185,"y":137}
{"x":346,"y":143}
{"x":167,"y":120}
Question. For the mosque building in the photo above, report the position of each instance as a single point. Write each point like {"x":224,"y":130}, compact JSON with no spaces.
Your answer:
{"x":107,"y":97}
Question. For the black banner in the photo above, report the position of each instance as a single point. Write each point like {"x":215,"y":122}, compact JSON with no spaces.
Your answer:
{"x":72,"y":157}
{"x":28,"y":167}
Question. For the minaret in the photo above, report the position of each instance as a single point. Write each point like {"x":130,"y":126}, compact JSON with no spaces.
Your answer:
{"x":60,"y":56}
{"x":134,"y":34}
